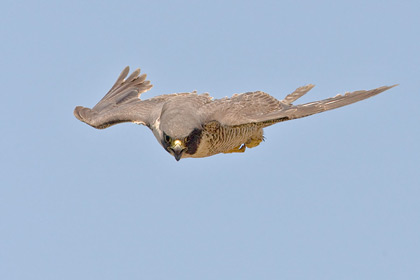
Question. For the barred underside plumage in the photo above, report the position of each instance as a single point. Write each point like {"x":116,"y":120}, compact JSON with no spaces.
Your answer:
{"x":217,"y":138}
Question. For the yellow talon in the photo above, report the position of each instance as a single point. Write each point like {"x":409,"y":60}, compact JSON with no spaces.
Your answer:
{"x":239,"y":149}
{"x":253,"y":142}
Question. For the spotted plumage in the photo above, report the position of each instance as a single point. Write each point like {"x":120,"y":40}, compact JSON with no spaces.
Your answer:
{"x":196,"y":125}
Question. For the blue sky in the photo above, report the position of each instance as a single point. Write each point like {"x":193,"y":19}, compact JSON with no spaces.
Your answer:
{"x":331,"y":196}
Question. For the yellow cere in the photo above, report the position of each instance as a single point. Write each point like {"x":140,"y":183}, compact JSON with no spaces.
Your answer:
{"x":177,"y":143}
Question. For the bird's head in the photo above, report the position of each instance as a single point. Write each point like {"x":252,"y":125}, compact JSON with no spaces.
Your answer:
{"x":180,"y":127}
{"x":179,"y":146}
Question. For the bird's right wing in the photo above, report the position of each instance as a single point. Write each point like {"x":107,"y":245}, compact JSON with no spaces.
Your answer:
{"x":121,"y":103}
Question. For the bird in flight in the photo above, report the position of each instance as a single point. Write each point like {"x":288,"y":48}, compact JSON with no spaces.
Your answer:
{"x":196,"y":125}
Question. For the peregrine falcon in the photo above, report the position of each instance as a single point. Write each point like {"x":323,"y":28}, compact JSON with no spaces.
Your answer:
{"x":196,"y":125}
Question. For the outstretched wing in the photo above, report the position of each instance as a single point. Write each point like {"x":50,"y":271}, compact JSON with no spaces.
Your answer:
{"x":121,"y":103}
{"x":261,"y":108}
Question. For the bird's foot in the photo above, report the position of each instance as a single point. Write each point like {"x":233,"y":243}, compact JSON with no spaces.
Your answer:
{"x":253,"y":142}
{"x":239,"y":149}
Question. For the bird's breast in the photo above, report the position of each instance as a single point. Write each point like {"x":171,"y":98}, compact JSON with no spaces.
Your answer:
{"x":224,"y":139}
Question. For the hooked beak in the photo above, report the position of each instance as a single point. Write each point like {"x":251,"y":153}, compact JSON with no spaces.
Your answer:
{"x":178,"y":148}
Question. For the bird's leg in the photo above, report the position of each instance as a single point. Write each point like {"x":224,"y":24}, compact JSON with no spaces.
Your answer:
{"x":239,"y":149}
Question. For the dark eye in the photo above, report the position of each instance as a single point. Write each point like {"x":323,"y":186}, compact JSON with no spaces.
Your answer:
{"x":187,"y":139}
{"x":167,"y":138}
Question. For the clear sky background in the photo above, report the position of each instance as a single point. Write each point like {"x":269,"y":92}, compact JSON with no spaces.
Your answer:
{"x":331,"y":196}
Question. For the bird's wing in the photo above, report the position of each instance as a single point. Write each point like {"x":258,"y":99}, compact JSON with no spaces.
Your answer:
{"x":261,"y":108}
{"x":121,"y":103}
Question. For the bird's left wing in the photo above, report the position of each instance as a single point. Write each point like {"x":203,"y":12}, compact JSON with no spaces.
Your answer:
{"x":263,"y":109}
{"x":121,"y":103}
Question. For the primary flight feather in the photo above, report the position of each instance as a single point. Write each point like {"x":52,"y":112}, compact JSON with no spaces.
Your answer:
{"x":196,"y":125}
